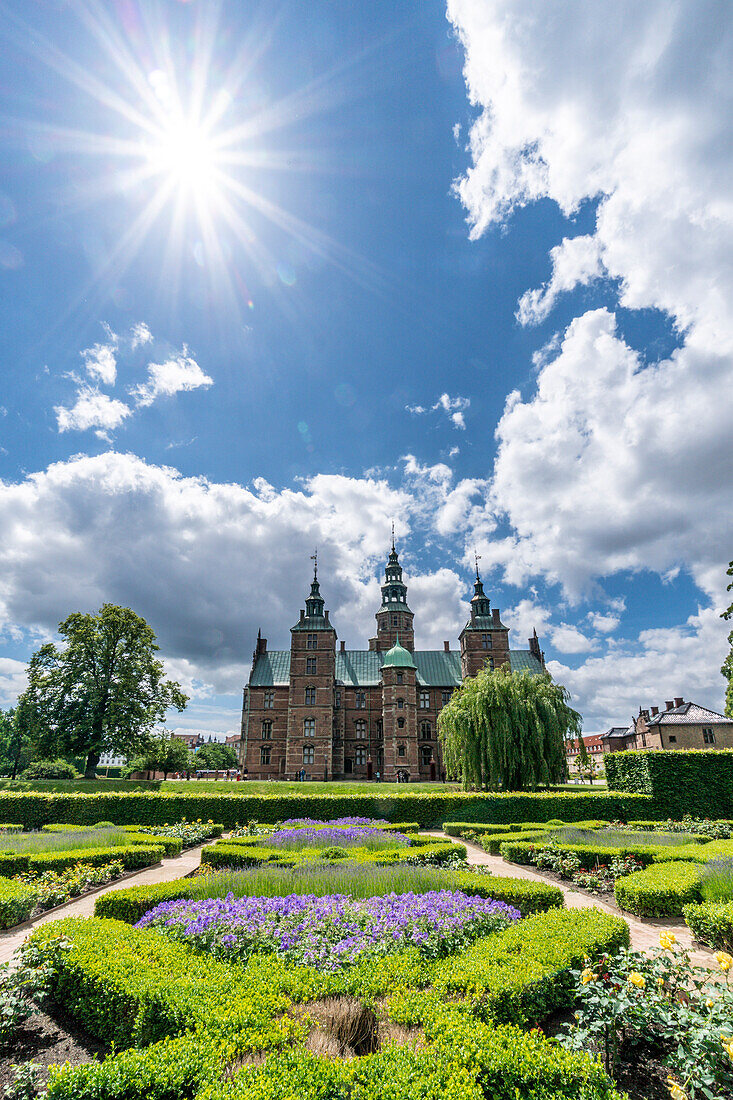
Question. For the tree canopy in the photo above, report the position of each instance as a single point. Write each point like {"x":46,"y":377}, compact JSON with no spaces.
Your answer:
{"x":507,"y":730}
{"x":164,"y":754}
{"x":103,"y":692}
{"x":215,"y":757}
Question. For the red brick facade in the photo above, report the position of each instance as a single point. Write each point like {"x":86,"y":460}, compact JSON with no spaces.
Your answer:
{"x":321,"y":711}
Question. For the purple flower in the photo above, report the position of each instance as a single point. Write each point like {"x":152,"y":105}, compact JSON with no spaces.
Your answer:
{"x":333,"y":931}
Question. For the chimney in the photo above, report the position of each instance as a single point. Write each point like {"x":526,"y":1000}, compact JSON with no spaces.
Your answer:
{"x":495,"y":620}
{"x":668,"y":704}
{"x":655,"y":711}
{"x":678,"y":702}
{"x":343,"y":647}
{"x":325,"y":615}
{"x":446,"y":647}
{"x":261,"y":646}
{"x":644,"y":714}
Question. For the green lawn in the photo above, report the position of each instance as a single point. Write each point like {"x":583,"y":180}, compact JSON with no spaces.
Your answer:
{"x":249,"y":786}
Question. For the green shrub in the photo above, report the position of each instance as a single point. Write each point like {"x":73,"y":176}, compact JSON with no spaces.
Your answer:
{"x":134,"y":902}
{"x":33,"y":809}
{"x":711,"y":922}
{"x":493,"y":842}
{"x":132,"y":857}
{"x":50,"y":769}
{"x":6,"y":828}
{"x":17,"y":902}
{"x":692,"y":781}
{"x":660,"y":890}
{"x":522,"y":851}
{"x":470,"y":829}
{"x":253,"y":852}
{"x":526,"y":895}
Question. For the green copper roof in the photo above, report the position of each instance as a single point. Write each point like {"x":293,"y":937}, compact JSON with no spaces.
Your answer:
{"x":398,"y":656}
{"x":521,"y":660}
{"x":363,"y":667}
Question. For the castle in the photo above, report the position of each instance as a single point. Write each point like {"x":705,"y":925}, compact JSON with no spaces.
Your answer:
{"x":324,"y":712}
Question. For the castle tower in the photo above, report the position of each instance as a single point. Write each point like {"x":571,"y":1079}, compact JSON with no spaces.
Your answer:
{"x":484,"y":637}
{"x":394,"y":616}
{"x":399,"y":713}
{"x":311,"y":696}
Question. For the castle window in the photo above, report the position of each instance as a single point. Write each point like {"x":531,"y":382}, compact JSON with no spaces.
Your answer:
{"x":426,"y":731}
{"x":312,"y":641}
{"x":395,"y":620}
{"x":401,"y":723}
{"x":445,"y":698}
{"x":400,"y":704}
{"x":361,"y":700}
{"x":380,"y":728}
{"x":384,"y":625}
{"x":309,"y":727}
{"x":266,"y":730}
{"x":360,"y":728}
{"x":310,"y":665}
{"x":269,"y":700}
{"x":264,"y":754}
{"x":491,"y":663}
{"x":424,"y":699}
{"x":246,"y":701}
{"x":672,"y":739}
{"x":337,"y":698}
{"x":708,"y":737}
{"x":360,"y":756}
{"x":400,"y":677}
{"x":310,"y":696}
{"x":426,"y":754}
{"x":486,"y":641}
{"x":401,"y":750}
{"x":309,"y":754}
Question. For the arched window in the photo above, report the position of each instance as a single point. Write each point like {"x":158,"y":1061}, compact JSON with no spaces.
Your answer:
{"x":266,"y":730}
{"x":309,"y":727}
{"x":426,"y":731}
{"x":401,"y":723}
{"x":310,"y":696}
{"x":360,"y":728}
{"x":309,"y":754}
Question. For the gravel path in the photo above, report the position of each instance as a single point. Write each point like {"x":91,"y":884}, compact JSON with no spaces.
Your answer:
{"x":644,"y":933}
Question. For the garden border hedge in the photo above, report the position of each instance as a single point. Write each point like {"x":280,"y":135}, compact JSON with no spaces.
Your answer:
{"x":33,"y":809}
{"x":17,"y":902}
{"x":201,"y":1016}
{"x":711,"y":922}
{"x":689,"y":781}
{"x":661,"y":890}
{"x":132,"y":856}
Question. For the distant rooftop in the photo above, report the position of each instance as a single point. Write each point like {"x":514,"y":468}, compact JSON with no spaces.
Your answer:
{"x":689,"y":714}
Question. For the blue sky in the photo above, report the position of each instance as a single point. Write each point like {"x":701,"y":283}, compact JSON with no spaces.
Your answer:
{"x":271,"y":278}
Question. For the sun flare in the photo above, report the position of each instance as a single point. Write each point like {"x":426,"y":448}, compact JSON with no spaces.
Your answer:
{"x":184,"y":155}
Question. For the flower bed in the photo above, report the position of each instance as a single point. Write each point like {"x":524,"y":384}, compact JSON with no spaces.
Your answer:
{"x":331,"y":833}
{"x":330,"y":932}
{"x":202,"y":1027}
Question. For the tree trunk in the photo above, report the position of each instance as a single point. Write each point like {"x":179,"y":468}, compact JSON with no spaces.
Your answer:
{"x":90,"y":770}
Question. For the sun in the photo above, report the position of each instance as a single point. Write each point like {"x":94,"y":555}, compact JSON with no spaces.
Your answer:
{"x":184,"y":156}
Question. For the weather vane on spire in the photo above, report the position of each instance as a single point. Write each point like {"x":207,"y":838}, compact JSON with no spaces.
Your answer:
{"x":393,"y":534}
{"x":314,"y":559}
{"x":477,"y":559}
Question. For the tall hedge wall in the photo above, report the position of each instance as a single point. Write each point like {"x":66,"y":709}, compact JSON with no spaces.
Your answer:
{"x":696,"y":781}
{"x":34,"y":809}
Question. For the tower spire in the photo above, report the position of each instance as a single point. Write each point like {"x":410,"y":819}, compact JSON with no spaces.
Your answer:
{"x":393,"y":536}
{"x":314,"y":559}
{"x":477,"y":559}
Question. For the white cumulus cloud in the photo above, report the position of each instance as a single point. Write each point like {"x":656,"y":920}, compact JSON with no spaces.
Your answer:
{"x":92,"y":409}
{"x":178,"y":374}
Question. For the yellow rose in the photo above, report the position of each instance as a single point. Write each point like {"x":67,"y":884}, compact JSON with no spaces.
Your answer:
{"x":676,"y":1091}
{"x":708,"y":1003}
{"x":666,"y":940}
{"x":588,"y":976}
{"x":635,"y":978}
{"x":724,"y":960}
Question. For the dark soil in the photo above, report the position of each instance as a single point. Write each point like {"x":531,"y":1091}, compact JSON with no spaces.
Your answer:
{"x":46,"y":1039}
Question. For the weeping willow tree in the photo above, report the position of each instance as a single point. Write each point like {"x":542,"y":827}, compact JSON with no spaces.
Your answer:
{"x":507,"y":730}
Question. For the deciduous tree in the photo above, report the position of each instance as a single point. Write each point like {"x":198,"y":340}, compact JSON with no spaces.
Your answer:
{"x":503,"y":729}
{"x":104,"y":691}
{"x":727,"y":668}
{"x":216,"y":757}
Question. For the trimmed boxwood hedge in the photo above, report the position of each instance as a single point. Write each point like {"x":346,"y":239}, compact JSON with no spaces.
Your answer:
{"x":132,"y":856}
{"x":33,"y":809}
{"x":17,"y":902}
{"x":661,"y":890}
{"x":711,"y":922}
{"x":205,"y":1019}
{"x":692,"y":781}
{"x":254,"y":852}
